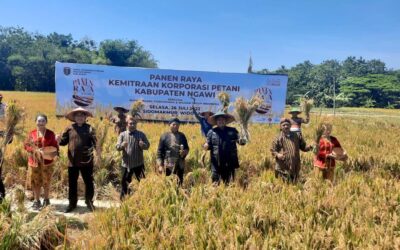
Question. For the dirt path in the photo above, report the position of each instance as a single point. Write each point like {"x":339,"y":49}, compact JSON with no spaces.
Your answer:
{"x":81,"y":212}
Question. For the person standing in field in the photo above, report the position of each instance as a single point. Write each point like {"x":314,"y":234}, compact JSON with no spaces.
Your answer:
{"x":42,"y":169}
{"x":328,"y":150}
{"x":119,"y":120}
{"x":172,"y":151}
{"x":286,"y":151}
{"x":131,"y":142}
{"x":81,"y":140}
{"x":221,"y":141}
{"x":297,"y":121}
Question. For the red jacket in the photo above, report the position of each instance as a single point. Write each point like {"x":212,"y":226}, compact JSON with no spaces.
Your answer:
{"x":33,"y":141}
{"x":325,"y":148}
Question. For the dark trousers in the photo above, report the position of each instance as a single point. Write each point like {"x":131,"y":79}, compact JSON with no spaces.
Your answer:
{"x":127,"y":178}
{"x":225,"y":174}
{"x":2,"y":189}
{"x":287,"y":177}
{"x":87,"y":176}
{"x":178,"y":171}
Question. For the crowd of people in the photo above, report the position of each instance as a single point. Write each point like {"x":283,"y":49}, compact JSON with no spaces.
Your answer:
{"x":220,"y":141}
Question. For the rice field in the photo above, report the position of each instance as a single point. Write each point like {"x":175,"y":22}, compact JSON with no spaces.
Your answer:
{"x":360,"y":210}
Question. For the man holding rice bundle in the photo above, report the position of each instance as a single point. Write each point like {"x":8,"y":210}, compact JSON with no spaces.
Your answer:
{"x":286,"y":150}
{"x":221,"y":141}
{"x":131,"y":142}
{"x":81,"y":140}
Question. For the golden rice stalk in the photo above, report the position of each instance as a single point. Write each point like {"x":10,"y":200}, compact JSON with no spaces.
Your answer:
{"x":224,"y":98}
{"x":137,"y":107}
{"x":306,"y":105}
{"x":40,"y":232}
{"x":19,"y":195}
{"x":14,"y":115}
{"x":244,"y":109}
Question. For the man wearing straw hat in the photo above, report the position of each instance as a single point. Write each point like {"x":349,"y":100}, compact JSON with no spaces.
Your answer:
{"x":221,"y":141}
{"x":131,"y":142}
{"x":172,"y":151}
{"x":286,"y":150}
{"x":120,"y":119}
{"x":81,"y":140}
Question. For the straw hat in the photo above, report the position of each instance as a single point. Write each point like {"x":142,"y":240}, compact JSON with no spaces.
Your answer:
{"x":121,"y":109}
{"x":70,"y":115}
{"x":295,"y":110}
{"x":213,"y":119}
{"x":49,"y":152}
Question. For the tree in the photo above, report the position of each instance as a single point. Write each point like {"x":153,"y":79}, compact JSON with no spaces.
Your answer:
{"x":126,"y":53}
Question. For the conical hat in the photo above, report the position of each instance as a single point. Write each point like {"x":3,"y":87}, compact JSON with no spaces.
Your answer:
{"x":213,"y":119}
{"x":121,"y":109}
{"x":70,"y":115}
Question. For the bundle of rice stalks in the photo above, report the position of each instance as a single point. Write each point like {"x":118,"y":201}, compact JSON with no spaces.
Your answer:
{"x":306,"y":105}
{"x":244,"y":109}
{"x":14,"y":114}
{"x":137,"y":108}
{"x":224,"y":98}
{"x":41,"y":232}
{"x":319,"y":130}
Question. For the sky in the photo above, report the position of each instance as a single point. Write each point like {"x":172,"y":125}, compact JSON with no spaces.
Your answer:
{"x":221,"y":35}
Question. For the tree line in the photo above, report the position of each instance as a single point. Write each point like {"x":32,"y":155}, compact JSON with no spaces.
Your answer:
{"x":27,"y":63}
{"x":27,"y":59}
{"x":354,"y":82}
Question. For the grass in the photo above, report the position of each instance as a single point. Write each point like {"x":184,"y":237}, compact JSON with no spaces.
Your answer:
{"x":360,"y":210}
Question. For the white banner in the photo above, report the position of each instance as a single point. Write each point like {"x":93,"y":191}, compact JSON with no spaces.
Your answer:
{"x":166,"y":93}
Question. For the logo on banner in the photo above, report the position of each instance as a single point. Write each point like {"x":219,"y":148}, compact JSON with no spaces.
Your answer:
{"x":266,"y":94}
{"x":67,"y":71}
{"x":83,"y":92}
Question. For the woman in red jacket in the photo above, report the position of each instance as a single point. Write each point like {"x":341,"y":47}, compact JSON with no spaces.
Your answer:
{"x":42,"y":169}
{"x":324,"y":160}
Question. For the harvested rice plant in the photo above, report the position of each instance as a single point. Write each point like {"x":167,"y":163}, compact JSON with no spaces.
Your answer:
{"x":359,"y":210}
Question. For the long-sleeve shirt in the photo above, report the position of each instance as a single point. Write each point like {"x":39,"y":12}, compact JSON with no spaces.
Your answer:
{"x":81,"y":142}
{"x":169,"y":147}
{"x":132,"y":155}
{"x":205,"y":126}
{"x":289,"y":145}
{"x":325,"y":147}
{"x":223,"y":149}
{"x":33,"y":141}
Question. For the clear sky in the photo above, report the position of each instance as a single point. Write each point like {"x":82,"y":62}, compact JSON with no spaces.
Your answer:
{"x":220,"y":35}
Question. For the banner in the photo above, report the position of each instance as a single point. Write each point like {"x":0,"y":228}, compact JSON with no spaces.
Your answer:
{"x":166,"y":93}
